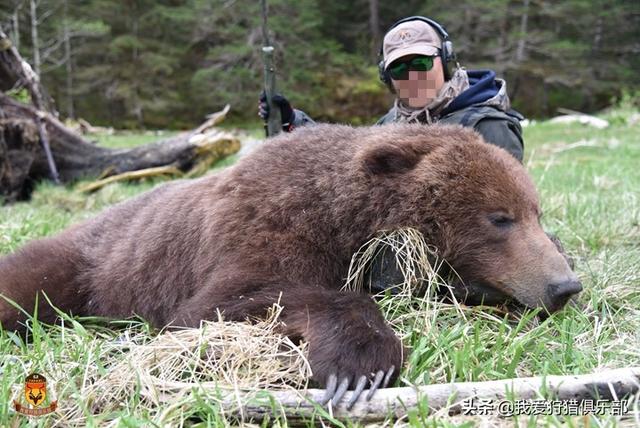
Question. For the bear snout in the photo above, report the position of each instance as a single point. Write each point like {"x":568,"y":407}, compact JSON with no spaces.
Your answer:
{"x":560,"y":292}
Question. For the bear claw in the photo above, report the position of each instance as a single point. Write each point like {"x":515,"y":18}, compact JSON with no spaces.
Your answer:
{"x":362,"y":382}
{"x":330,"y":389}
{"x":335,"y":392}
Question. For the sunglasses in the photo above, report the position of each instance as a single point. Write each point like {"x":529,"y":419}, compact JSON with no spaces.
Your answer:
{"x":400,"y":70}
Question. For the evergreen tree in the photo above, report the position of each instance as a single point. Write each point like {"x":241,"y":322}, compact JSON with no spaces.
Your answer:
{"x":167,"y":63}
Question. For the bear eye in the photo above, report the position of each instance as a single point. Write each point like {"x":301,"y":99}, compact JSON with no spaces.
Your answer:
{"x":501,"y":220}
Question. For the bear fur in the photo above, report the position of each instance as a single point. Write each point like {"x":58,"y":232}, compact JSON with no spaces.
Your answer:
{"x":281,"y":226}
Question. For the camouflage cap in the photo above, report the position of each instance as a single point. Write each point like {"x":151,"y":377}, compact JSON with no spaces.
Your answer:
{"x":410,"y":38}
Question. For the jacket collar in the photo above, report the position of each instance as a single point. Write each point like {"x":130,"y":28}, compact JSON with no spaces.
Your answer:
{"x":484,"y":89}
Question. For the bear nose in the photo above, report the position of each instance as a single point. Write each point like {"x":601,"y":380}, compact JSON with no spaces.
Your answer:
{"x":564,"y":290}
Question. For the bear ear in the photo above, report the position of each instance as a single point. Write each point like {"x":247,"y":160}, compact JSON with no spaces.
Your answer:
{"x":386,"y":158}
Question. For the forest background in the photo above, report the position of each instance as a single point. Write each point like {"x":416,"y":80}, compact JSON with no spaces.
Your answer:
{"x":166,"y":64}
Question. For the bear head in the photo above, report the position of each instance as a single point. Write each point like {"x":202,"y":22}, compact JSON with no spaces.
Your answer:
{"x":480,"y":209}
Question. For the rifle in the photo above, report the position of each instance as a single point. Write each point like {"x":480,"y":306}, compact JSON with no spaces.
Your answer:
{"x":274,"y":122}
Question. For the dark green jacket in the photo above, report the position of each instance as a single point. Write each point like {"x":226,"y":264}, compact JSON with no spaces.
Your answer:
{"x":496,"y":126}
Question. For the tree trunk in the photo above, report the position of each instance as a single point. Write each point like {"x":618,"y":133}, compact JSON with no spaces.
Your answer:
{"x":16,"y":27}
{"x":34,"y":37}
{"x":522,"y":39}
{"x":23,"y":161}
{"x":68,"y":62}
{"x":374,"y":28}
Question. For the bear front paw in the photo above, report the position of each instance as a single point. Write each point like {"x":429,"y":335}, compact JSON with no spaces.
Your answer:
{"x":352,"y":350}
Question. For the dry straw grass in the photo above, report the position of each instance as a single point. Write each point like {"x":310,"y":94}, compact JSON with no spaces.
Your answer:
{"x":217,"y":360}
{"x":419,"y":264}
{"x":417,"y":261}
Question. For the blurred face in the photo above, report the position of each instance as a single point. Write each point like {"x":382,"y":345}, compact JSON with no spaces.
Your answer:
{"x":416,"y":88}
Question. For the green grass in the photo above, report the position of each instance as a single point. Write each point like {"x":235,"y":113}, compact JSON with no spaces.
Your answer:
{"x":589,"y":183}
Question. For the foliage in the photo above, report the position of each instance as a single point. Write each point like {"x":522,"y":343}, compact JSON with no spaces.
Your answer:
{"x":167,"y":63}
{"x":21,"y":95}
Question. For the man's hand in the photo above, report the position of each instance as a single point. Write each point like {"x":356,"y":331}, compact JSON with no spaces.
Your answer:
{"x":286,"y":111}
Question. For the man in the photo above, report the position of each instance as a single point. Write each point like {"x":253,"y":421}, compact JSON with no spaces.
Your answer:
{"x":418,"y":67}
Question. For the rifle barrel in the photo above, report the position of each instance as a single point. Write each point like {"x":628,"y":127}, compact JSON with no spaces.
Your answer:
{"x":274,"y":121}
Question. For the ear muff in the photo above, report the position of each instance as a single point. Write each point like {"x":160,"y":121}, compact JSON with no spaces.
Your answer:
{"x":384,"y":76}
{"x":447,"y":54}
{"x":448,"y":57}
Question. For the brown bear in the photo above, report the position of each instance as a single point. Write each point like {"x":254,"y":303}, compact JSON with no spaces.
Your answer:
{"x":281,"y":226}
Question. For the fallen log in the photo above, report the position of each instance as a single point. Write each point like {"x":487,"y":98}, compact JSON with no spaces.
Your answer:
{"x":23,"y":162}
{"x":298,"y":406}
{"x":17,"y":72}
{"x":35,"y":145}
{"x":572,"y":116}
